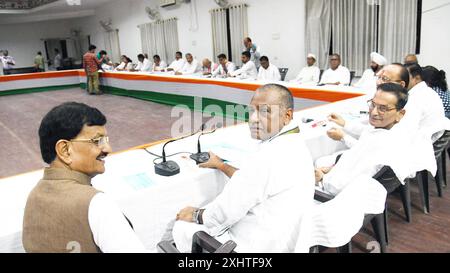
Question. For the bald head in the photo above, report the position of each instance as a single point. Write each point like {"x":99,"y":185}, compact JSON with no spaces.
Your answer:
{"x":394,"y":73}
{"x":278,"y":94}
{"x":411,"y":59}
{"x":271,"y":109}
{"x":206,"y":63}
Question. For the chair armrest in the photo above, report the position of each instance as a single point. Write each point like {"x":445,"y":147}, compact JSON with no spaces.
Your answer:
{"x":322,"y":196}
{"x":203,"y":241}
{"x":167,"y":247}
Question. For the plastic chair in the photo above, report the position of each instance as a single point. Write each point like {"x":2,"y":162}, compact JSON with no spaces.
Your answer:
{"x":201,"y":242}
{"x":283,"y":72}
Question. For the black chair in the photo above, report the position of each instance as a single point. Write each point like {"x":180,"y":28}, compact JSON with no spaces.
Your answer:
{"x":283,"y":72}
{"x":440,"y":149}
{"x":352,"y":76}
{"x":321,"y":73}
{"x":201,"y":242}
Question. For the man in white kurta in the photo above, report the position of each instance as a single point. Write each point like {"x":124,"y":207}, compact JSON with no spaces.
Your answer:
{"x":178,"y":63}
{"x":248,"y":70}
{"x":368,"y":81}
{"x":254,"y":50}
{"x":268,"y":72}
{"x":261,"y":206}
{"x":351,"y":130}
{"x":191,"y":66}
{"x":224,"y":67}
{"x":309,"y":75}
{"x":144,"y":65}
{"x":384,"y":143}
{"x":336,"y":74}
{"x":158,"y":64}
{"x":7,"y":62}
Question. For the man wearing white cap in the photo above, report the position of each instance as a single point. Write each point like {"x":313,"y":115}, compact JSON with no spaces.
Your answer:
{"x":368,"y":81}
{"x":310,"y":74}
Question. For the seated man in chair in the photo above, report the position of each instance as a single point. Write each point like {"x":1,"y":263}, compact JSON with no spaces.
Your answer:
{"x":262,"y":204}
{"x":378,"y":144}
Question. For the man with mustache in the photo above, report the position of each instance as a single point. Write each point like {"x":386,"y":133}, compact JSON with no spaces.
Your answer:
{"x":262,"y":204}
{"x":64,"y":212}
{"x":368,"y":81}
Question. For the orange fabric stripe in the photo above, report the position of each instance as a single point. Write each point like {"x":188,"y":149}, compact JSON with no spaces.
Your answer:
{"x":40,"y":75}
{"x":305,"y":93}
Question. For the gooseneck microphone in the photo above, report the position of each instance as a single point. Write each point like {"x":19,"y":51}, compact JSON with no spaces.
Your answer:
{"x":200,"y":157}
{"x":170,"y":168}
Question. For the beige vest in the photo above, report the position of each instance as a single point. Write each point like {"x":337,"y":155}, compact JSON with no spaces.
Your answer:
{"x":56,"y":214}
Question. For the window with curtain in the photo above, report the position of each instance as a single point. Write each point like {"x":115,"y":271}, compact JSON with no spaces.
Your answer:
{"x":112,"y":45}
{"x":355,"y":28}
{"x":160,"y":38}
{"x":229,"y":28}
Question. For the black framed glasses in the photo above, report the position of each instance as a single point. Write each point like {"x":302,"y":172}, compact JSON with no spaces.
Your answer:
{"x":382,"y":109}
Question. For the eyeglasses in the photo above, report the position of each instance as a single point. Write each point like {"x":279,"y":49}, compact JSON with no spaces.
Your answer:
{"x":382,"y":109}
{"x":385,"y":79}
{"x":99,"y":141}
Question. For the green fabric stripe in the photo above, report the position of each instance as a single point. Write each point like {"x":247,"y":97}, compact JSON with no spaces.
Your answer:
{"x":177,"y":100}
{"x":163,"y":98}
{"x":36,"y":89}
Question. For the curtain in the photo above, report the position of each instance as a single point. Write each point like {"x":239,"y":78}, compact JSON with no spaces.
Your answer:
{"x":318,"y":30}
{"x":160,"y":38}
{"x":398,"y":28}
{"x":112,"y":45}
{"x":239,"y":30}
{"x":354,"y":32}
{"x":219,"y":31}
{"x":171,"y":39}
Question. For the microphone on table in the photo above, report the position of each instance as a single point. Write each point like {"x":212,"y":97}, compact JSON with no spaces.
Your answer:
{"x":170,"y":168}
{"x":307,"y":120}
{"x":200,"y":157}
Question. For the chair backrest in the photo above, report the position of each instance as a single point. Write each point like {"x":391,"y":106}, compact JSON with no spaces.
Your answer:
{"x":441,"y":143}
{"x":321,"y":73}
{"x":352,"y":76}
{"x":283,"y":72}
{"x":388,"y":179}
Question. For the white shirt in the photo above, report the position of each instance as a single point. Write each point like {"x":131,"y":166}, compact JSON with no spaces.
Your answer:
{"x":376,"y":148}
{"x":111,"y":231}
{"x":191,"y":68}
{"x":124,"y":66}
{"x":222,"y":72}
{"x":255,"y":54}
{"x":309,"y":75}
{"x":271,"y":74}
{"x":261,"y":206}
{"x":162,"y":65}
{"x":341,"y":75}
{"x":368,"y":82}
{"x":177,"y":65}
{"x":58,"y":59}
{"x":145,"y":66}
{"x":424,"y":112}
{"x":248,"y":71}
{"x":6,"y":60}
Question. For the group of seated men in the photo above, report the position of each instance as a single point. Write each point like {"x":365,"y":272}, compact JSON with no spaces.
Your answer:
{"x":262,"y":205}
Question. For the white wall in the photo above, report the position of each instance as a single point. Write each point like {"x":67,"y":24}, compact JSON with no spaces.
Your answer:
{"x":266,"y":18}
{"x":435,"y":41}
{"x":23,"y":41}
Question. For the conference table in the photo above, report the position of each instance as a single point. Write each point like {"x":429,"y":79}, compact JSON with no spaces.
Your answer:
{"x":151,"y":201}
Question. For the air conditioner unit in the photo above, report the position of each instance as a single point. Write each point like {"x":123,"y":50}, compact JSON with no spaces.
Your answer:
{"x":166,"y":3}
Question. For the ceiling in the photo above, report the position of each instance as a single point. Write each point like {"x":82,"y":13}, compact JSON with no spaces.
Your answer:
{"x":25,"y":11}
